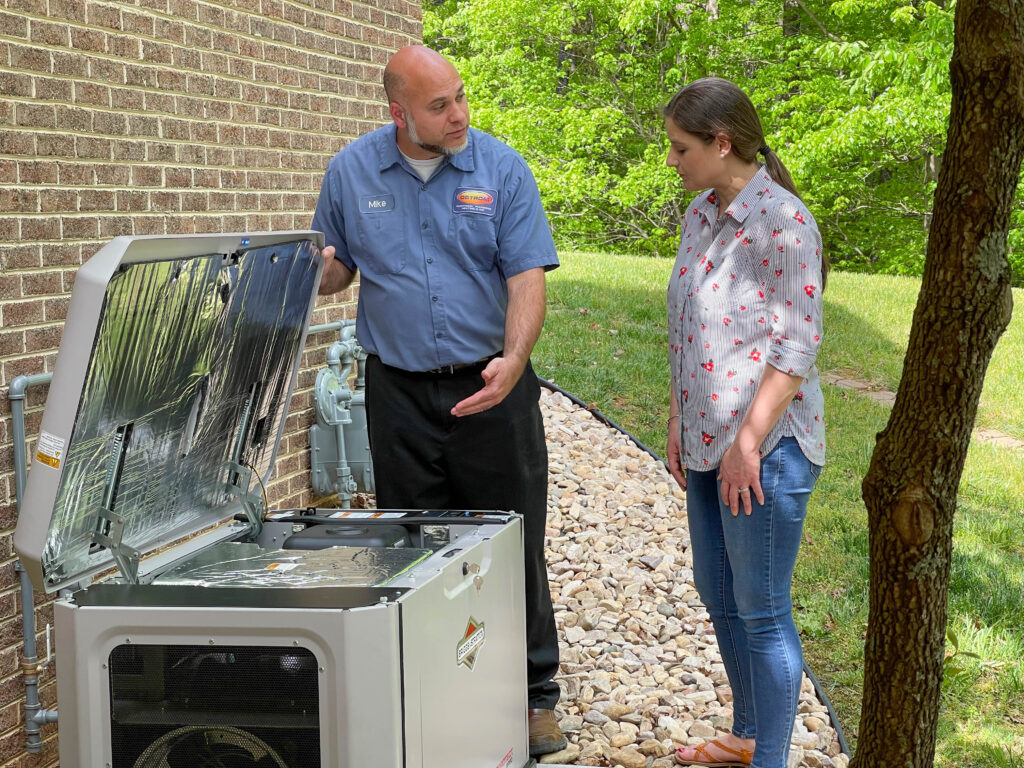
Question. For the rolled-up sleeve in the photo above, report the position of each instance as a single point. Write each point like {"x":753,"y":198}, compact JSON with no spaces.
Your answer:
{"x":794,"y":289}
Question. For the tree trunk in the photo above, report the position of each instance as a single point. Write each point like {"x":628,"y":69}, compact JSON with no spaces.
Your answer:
{"x":964,"y":306}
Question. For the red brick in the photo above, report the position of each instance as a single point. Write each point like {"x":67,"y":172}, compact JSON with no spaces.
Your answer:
{"x":48,"y":33}
{"x":55,"y":310}
{"x":19,"y":200}
{"x":92,"y":93}
{"x":93,"y":147}
{"x":132,"y":200}
{"x":8,"y":171}
{"x":137,"y":23}
{"x":35,"y":115}
{"x":171,"y":30}
{"x":160,"y":152}
{"x":55,"y":145}
{"x":40,"y":339}
{"x":17,"y":143}
{"x":146,"y":176}
{"x":40,"y":228}
{"x":15,"y":84}
{"x":54,"y":89}
{"x":79,"y":227}
{"x":9,"y":229}
{"x":72,"y":10}
{"x":124,"y":46}
{"x":96,"y":200}
{"x":12,"y":343}
{"x":113,"y":175}
{"x":31,"y":58}
{"x":57,"y":200}
{"x":140,"y":74}
{"x":103,"y":16}
{"x":156,"y":53}
{"x":20,"y":256}
{"x":127,"y":99}
{"x":92,"y":40}
{"x":63,"y":255}
{"x":74,"y":118}
{"x":176,"y":129}
{"x":112,"y":226}
{"x":75,"y":174}
{"x":22,"y":313}
{"x":41,"y":284}
{"x":171,"y":80}
{"x":108,"y":70}
{"x":165,"y":201}
{"x":130,"y":150}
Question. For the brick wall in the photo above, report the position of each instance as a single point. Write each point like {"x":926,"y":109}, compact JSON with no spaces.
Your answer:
{"x":152,"y":117}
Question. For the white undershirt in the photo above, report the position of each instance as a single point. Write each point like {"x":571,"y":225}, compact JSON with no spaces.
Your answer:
{"x":424,"y":168}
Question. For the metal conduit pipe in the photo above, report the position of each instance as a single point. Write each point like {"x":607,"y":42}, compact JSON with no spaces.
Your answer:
{"x":810,"y":675}
{"x":35,"y":715}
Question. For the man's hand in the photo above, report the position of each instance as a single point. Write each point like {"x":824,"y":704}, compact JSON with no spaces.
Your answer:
{"x":336,"y":276}
{"x":500,"y":375}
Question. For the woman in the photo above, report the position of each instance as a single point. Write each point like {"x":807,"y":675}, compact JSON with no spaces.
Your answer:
{"x":746,"y":433}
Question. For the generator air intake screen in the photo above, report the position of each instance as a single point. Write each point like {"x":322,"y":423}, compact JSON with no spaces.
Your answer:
{"x":178,"y":706}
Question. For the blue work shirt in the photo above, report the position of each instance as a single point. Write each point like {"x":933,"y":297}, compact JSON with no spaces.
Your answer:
{"x":433,"y":256}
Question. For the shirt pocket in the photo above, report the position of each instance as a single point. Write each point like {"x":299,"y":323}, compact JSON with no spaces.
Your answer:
{"x":474,"y":239}
{"x":381,"y":245}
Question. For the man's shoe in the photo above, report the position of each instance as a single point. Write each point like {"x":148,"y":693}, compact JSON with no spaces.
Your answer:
{"x":545,"y":735}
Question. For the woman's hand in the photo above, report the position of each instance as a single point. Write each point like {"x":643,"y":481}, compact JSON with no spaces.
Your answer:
{"x":740,"y":476}
{"x":675,"y":463}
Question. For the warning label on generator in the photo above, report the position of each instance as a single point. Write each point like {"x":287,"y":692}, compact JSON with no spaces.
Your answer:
{"x":469,"y":645}
{"x":50,"y":450}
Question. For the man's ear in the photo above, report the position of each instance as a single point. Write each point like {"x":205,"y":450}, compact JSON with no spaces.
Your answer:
{"x":397,"y":114}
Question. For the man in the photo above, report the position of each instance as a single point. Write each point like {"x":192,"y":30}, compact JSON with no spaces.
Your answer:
{"x":445,"y":224}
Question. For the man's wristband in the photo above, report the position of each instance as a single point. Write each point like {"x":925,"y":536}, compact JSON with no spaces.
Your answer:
{"x":669,"y":419}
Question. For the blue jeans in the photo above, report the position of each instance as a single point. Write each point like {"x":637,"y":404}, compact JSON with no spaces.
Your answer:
{"x":743,"y":570}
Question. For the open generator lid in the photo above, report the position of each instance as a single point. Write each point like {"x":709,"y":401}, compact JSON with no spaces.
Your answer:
{"x":168,"y":400}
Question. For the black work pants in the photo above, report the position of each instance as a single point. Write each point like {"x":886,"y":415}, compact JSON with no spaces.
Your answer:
{"x":425,"y":458}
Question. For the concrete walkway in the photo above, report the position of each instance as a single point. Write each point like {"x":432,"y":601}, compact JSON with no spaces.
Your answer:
{"x":888,"y":398}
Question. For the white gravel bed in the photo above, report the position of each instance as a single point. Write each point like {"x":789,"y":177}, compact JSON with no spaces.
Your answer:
{"x":640,"y":669}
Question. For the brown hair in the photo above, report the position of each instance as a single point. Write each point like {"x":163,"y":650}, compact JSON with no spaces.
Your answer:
{"x":712,"y":105}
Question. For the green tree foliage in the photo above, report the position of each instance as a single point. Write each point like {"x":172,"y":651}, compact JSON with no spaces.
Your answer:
{"x":854,"y":96}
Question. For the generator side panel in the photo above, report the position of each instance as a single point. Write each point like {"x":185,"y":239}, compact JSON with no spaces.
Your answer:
{"x":144,"y":687}
{"x":464,"y":651}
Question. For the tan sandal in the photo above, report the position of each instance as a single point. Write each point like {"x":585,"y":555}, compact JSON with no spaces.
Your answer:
{"x":703,"y":758}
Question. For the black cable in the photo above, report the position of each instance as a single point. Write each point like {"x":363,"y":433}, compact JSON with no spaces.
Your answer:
{"x":836,"y":725}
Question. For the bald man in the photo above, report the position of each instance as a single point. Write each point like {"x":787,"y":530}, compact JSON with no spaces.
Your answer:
{"x":446,"y":227}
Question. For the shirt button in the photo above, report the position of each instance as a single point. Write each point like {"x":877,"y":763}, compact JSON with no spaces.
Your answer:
{"x":433,"y":298}
{"x":430,"y":260}
{"x":424,"y":225}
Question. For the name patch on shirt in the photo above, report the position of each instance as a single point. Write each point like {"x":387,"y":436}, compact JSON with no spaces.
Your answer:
{"x":475,"y":200}
{"x":376,"y":203}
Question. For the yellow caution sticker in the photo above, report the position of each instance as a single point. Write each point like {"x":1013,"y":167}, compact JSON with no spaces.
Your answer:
{"x":50,"y":450}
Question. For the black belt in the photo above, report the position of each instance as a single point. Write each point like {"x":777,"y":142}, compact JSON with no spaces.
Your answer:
{"x":448,"y":370}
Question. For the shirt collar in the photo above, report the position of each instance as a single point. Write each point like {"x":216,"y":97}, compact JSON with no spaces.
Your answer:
{"x":748,"y":198}
{"x":389,"y":154}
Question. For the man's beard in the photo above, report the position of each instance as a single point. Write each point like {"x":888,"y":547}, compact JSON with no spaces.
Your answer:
{"x":437,"y":149}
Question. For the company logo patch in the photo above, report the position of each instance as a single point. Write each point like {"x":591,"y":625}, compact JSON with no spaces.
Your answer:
{"x":470,"y":644}
{"x":474,"y":200}
{"x":376,"y":203}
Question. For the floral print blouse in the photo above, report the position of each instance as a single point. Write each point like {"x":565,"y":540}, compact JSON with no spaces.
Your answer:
{"x":745,"y":292}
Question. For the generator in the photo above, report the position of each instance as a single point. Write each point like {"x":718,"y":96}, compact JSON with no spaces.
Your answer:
{"x":193,"y":625}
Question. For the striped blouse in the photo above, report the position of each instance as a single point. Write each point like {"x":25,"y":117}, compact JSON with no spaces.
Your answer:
{"x":745,"y":292}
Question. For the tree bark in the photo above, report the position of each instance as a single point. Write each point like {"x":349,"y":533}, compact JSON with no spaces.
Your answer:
{"x":964,"y":306}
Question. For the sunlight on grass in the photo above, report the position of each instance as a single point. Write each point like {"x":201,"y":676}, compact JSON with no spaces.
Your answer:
{"x":604,"y":341}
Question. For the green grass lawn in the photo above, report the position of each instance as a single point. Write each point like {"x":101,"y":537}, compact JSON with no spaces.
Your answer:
{"x":604,"y":341}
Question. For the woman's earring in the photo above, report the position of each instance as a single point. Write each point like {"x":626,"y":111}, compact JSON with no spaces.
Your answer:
{"x":721,"y":154}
